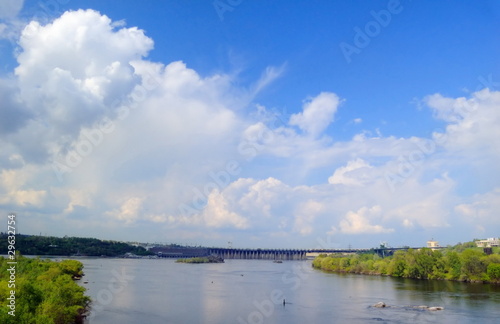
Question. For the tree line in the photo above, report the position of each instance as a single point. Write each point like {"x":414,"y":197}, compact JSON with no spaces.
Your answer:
{"x":68,"y":246}
{"x":45,"y":292}
{"x":462,"y":263}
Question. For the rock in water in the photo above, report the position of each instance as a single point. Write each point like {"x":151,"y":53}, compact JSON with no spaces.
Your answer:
{"x":215,"y":259}
{"x":435,"y":308}
{"x":379,"y":305}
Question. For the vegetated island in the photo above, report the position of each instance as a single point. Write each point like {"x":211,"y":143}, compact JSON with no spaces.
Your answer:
{"x":208,"y":259}
{"x":463,"y":262}
{"x":44,"y":291}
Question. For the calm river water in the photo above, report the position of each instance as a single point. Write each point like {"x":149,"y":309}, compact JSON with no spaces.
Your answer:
{"x":149,"y":291}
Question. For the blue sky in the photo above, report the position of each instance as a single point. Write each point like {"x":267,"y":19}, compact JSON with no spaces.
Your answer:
{"x":265,"y":124}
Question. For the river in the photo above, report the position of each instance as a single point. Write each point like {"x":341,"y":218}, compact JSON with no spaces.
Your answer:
{"x":150,"y":291}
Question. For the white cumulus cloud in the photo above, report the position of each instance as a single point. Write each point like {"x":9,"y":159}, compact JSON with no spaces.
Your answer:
{"x":317,"y":113}
{"x":359,"y":222}
{"x":354,"y":173}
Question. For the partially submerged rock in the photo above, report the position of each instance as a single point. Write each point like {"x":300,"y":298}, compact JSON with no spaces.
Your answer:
{"x":421,"y":307}
{"x":435,"y":308}
{"x":215,"y":259}
{"x":380,"y":305}
{"x":432,"y":308}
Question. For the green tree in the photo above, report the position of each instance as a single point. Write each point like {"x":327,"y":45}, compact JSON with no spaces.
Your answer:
{"x":45,"y":292}
{"x":397,"y":265}
{"x":472,"y":266}
{"x":453,"y":265}
{"x":493,"y":272}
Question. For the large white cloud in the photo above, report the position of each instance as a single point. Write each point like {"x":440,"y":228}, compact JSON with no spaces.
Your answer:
{"x":73,"y":71}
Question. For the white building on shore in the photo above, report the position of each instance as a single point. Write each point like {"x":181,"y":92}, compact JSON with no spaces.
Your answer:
{"x":489,"y":242}
{"x":432,"y":244}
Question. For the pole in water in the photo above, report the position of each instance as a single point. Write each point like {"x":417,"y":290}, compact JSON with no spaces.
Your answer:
{"x":284,"y":302}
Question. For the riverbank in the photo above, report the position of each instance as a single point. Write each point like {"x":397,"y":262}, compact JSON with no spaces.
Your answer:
{"x":469,"y":265}
{"x":41,"y":291}
{"x":70,"y":246}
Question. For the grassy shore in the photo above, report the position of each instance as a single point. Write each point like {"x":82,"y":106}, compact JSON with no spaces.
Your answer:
{"x":469,"y":264}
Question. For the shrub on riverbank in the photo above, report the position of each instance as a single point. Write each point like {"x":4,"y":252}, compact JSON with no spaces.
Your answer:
{"x":468,"y":265}
{"x":45,"y":292}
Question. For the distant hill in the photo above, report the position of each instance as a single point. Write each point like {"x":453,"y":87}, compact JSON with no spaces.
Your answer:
{"x":68,"y":246}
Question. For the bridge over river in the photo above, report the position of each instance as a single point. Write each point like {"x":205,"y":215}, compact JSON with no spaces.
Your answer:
{"x":262,"y":254}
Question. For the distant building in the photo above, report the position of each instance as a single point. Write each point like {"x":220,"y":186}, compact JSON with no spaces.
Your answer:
{"x":489,"y":242}
{"x":432,"y":244}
